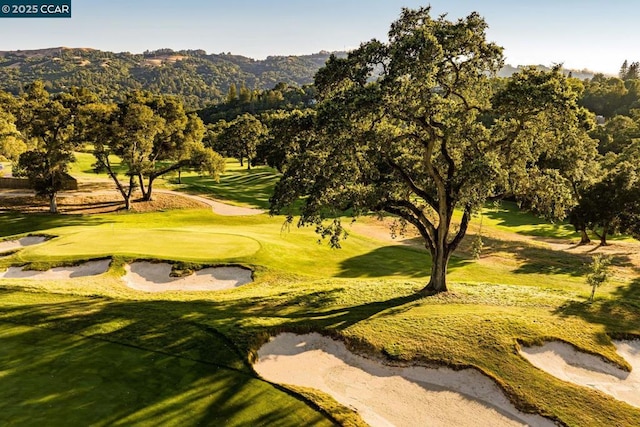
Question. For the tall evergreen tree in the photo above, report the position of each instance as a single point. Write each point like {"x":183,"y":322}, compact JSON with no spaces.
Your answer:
{"x":623,"y":70}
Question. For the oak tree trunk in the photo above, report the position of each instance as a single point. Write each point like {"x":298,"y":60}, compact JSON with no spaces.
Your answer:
{"x":146,"y":196}
{"x":603,"y":237}
{"x":438,"y":281}
{"x":53,"y":203}
{"x":584,"y":237}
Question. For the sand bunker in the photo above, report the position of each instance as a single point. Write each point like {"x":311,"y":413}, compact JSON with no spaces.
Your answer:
{"x":385,"y":395}
{"x":568,"y":364}
{"x":11,"y":245}
{"x":91,"y":268}
{"x":155,"y":277}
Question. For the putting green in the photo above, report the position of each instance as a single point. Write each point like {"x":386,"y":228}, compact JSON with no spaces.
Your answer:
{"x":154,"y":243}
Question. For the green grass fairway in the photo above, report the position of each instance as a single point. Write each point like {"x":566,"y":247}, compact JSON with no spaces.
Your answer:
{"x":237,"y":185}
{"x":82,"y":168}
{"x":92,"y":351}
{"x":56,"y":378}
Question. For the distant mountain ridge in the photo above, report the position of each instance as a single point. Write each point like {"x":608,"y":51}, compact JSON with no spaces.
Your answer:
{"x":196,"y":76}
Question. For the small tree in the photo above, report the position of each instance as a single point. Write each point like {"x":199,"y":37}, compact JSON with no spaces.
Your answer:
{"x":241,"y":138}
{"x":598,"y":273}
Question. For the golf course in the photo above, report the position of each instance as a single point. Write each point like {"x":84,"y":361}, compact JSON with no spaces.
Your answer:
{"x":91,"y":350}
{"x":406,"y":232}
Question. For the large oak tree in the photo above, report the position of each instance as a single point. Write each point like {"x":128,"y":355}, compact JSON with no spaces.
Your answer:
{"x":419,"y":127}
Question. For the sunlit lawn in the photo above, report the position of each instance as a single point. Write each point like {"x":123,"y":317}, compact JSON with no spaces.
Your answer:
{"x":79,"y":346}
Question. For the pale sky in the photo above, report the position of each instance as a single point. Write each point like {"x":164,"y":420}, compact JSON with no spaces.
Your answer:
{"x":598,"y":35}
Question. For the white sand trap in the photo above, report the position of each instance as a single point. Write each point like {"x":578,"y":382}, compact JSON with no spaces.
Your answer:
{"x":91,"y":268}
{"x":568,"y":364}
{"x":155,"y":277}
{"x":385,"y":395}
{"x":10,"y":245}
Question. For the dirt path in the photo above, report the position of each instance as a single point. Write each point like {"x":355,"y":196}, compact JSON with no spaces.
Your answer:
{"x":218,"y":207}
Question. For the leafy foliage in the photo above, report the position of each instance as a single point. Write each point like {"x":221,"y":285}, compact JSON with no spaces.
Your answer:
{"x":599,"y":272}
{"x":417,"y":127}
{"x":197,"y":78}
{"x":258,"y":102}
{"x":152,"y":135}
{"x":613,"y":204}
{"x":241,"y":137}
{"x":48,"y":121}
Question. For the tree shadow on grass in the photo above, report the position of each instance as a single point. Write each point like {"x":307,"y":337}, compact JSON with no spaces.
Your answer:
{"x":98,"y":361}
{"x":412,"y":262}
{"x":156,"y":361}
{"x":389,"y":261}
{"x":538,"y":259}
{"x":509,"y":215}
{"x":620,"y":314}
{"x":18,"y":223}
{"x":253,"y":187}
{"x":344,"y":317}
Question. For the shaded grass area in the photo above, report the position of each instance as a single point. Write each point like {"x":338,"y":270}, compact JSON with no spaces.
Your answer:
{"x":104,"y":366}
{"x":508,"y":217}
{"x":237,"y":185}
{"x":474,"y":325}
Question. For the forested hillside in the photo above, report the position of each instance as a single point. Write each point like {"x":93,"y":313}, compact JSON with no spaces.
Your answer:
{"x":200,"y":79}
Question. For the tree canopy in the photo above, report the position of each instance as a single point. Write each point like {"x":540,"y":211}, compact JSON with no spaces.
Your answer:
{"x":152,"y":135}
{"x":49,"y":123}
{"x":418,"y":127}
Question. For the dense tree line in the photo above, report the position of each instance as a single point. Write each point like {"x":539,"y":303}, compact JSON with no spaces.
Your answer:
{"x":198,"y":79}
{"x":243,"y":100}
{"x":151,"y":135}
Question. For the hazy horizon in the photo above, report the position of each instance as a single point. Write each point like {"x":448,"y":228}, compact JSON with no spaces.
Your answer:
{"x":580,"y":34}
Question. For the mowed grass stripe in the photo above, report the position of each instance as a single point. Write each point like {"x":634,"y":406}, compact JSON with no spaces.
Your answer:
{"x":51,"y":378}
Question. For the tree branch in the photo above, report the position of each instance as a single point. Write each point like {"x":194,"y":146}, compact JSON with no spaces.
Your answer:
{"x":411,"y":183}
{"x":464,"y":224}
{"x":415,"y":222}
{"x":419,"y":215}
